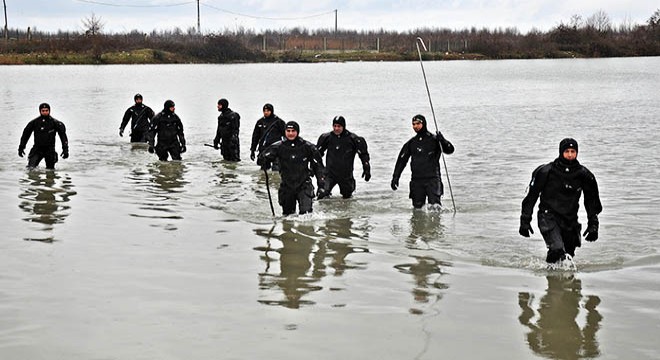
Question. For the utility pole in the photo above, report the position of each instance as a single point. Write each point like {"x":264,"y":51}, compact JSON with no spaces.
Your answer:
{"x":335,"y":21}
{"x":4,"y":3}
{"x":199,"y":28}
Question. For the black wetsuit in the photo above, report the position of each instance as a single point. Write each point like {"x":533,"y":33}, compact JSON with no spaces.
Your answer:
{"x":425,"y":182}
{"x":299,"y":160}
{"x":267,"y":131}
{"x":560,"y":185}
{"x":341,"y":150}
{"x":227,"y":135}
{"x":44,"y":129}
{"x":167,"y":126}
{"x":140,"y":116}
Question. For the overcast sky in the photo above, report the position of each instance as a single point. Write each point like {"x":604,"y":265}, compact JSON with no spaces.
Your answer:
{"x":398,"y":15}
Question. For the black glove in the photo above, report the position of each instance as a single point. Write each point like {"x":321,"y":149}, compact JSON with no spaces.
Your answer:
{"x":183,"y":149}
{"x":265,"y":165}
{"x":525,"y":228}
{"x":320,"y":193}
{"x":395,"y":184}
{"x":366,"y":172}
{"x":591,"y":234}
{"x":252,"y":155}
{"x":121,"y":132}
{"x":151,"y":149}
{"x":65,"y":154}
{"x":21,"y":152}
{"x":215,"y":145}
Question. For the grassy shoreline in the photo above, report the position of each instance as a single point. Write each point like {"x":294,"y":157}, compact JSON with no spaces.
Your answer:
{"x":154,"y":56}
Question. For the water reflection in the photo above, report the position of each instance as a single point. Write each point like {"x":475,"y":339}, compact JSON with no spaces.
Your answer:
{"x":294,"y":260}
{"x":163,"y":183}
{"x":426,"y":272}
{"x":425,"y":226}
{"x":168,"y":176}
{"x":554,"y":330}
{"x":44,"y":198}
{"x":337,"y":250}
{"x":304,"y":257}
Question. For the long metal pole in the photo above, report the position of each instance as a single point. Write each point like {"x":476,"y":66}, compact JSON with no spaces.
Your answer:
{"x":335,"y":21}
{"x":199,"y":28}
{"x":270,"y":199}
{"x":4,"y":3}
{"x":428,"y":92}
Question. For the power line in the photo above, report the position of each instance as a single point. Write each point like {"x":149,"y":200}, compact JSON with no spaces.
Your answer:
{"x":134,"y":6}
{"x":266,"y":17}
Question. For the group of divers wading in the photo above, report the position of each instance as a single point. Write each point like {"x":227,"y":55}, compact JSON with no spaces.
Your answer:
{"x":277,"y":145}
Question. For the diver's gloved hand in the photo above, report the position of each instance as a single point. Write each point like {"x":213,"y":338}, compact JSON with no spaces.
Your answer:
{"x":183,"y":149}
{"x":151,"y":149}
{"x":366,"y":172}
{"x":21,"y":152}
{"x":591,"y":234}
{"x":65,"y":154}
{"x":395,"y":183}
{"x":265,"y":165}
{"x":525,"y":228}
{"x":216,"y":145}
{"x":121,"y":132}
{"x":252,"y":155}
{"x":320,"y":194}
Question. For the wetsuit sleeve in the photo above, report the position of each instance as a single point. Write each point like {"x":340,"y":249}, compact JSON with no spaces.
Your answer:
{"x":236,"y":123}
{"x":362,"y":151}
{"x":255,"y":136}
{"x":401,"y":161}
{"x":281,"y":127}
{"x":533,"y":191}
{"x":322,"y":143}
{"x":180,"y":135}
{"x":447,"y":147}
{"x":218,"y":133}
{"x":592,"y":198}
{"x":150,"y":114}
{"x":125,"y":119}
{"x":316,"y":163}
{"x":27,"y":132}
{"x":269,"y":154}
{"x":61,"y":131}
{"x":153,"y":129}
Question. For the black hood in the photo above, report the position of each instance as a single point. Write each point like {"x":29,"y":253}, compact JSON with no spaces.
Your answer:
{"x":421,"y":119}
{"x":166,"y":107}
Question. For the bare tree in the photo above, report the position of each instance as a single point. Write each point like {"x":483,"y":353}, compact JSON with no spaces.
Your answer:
{"x":92,"y":25}
{"x":654,"y":20}
{"x":600,"y":21}
{"x":575,"y":22}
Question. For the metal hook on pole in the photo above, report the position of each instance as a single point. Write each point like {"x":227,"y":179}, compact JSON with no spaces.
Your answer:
{"x":428,"y":92}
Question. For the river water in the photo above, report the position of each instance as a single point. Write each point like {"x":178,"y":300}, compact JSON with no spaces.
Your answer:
{"x":115,"y":255}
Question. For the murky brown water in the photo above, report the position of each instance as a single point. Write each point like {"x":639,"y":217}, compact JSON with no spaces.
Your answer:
{"x":117,"y":256}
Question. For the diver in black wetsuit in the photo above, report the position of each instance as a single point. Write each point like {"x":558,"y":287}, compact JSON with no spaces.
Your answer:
{"x":560,"y":185}
{"x":425,"y":150}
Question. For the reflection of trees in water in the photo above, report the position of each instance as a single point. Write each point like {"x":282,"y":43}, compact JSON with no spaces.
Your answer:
{"x":302,"y":258}
{"x":45,"y":197}
{"x":426,"y":272}
{"x":555,"y":333}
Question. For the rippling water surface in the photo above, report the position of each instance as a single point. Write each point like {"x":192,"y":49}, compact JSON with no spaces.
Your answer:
{"x":148,"y":260}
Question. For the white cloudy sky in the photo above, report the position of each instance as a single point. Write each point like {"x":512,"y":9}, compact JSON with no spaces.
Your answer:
{"x":398,"y":15}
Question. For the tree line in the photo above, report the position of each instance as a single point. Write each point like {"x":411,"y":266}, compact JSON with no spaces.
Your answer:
{"x":593,"y":36}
